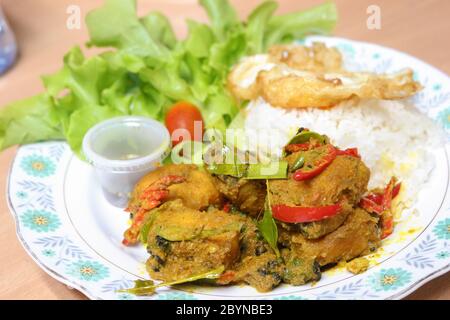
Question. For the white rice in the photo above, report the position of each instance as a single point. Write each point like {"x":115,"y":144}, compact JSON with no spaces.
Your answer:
{"x":393,"y":138}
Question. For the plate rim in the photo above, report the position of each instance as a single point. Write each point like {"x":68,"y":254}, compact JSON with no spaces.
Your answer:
{"x":86,"y":291}
{"x":54,"y":274}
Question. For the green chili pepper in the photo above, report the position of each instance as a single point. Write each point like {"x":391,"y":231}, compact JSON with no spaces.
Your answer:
{"x":298,"y":163}
{"x":305,"y":136}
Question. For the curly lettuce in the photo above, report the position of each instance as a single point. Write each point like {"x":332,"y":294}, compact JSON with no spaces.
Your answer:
{"x":145,"y":68}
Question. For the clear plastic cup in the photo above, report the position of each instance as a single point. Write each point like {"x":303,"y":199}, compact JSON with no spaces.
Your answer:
{"x":122,"y":150}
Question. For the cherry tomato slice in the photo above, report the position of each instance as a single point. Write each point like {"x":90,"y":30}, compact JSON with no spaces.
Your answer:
{"x":184,"y":115}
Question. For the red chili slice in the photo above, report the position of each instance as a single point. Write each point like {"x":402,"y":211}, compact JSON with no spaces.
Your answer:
{"x":373,"y":202}
{"x":318,"y":165}
{"x":227,"y":277}
{"x":375,"y":197}
{"x":297,"y":147}
{"x":381,"y":204}
{"x":388,"y":194}
{"x":304,"y":214}
{"x":396,"y":190}
{"x":353,"y":152}
{"x":226,"y":207}
{"x":387,"y":226}
{"x":387,"y":219}
{"x":371,"y":206}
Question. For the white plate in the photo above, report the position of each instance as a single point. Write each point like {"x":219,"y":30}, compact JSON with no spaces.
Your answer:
{"x":69,"y":229}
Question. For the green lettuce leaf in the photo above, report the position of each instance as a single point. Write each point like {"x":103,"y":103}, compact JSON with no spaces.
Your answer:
{"x":199,"y":40}
{"x":167,"y":81}
{"x":223,"y":55}
{"x":199,"y":78}
{"x":222,"y":16}
{"x":84,"y":78}
{"x":289,"y":27}
{"x":219,"y":110}
{"x":160,"y":29}
{"x":145,"y":68}
{"x":257,"y":24}
{"x":117,"y":25}
{"x":28,"y":121}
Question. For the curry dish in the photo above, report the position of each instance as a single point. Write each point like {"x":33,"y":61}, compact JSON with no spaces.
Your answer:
{"x":197,"y":219}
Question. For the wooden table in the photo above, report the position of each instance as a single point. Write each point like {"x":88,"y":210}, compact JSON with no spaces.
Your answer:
{"x":416,"y":27}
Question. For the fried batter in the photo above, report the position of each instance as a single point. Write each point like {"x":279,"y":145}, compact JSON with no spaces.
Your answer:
{"x":344,"y":180}
{"x":286,"y":88}
{"x":300,"y":77}
{"x":197,"y":192}
{"x":247,"y":195}
{"x":317,"y":58}
{"x":183,"y":241}
{"x":258,"y":265}
{"x":358,"y":235}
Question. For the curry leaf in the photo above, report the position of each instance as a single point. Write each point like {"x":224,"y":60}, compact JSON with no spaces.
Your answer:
{"x":267,"y":225}
{"x":147,"y":287}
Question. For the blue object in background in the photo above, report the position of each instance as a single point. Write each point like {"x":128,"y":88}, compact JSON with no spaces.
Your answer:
{"x":8,"y":46}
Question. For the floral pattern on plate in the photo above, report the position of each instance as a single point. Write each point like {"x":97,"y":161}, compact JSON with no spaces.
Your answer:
{"x":40,"y":220}
{"x":88,"y":270}
{"x":38,"y":166}
{"x":389,"y":279}
{"x":442,"y":229}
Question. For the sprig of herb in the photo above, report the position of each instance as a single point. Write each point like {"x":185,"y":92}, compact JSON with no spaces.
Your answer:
{"x":267,"y":225}
{"x":148,"y":287}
